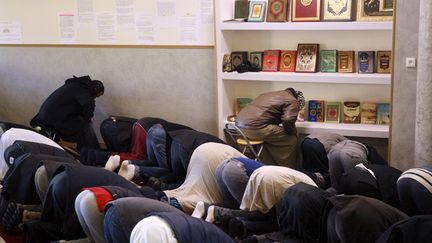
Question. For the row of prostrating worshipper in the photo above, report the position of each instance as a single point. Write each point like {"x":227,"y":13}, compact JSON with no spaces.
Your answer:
{"x":176,"y":184}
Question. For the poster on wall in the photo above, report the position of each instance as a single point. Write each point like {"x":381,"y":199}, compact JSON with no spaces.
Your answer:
{"x":10,"y":32}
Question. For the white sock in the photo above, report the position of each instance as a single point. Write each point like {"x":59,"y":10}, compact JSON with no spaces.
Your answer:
{"x":127,"y":170}
{"x":199,"y":210}
{"x":112,"y":163}
{"x":210,"y":214}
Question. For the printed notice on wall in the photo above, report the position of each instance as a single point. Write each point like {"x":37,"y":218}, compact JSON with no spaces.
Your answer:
{"x":188,"y":29}
{"x":167,"y":14}
{"x":106,"y":30}
{"x":10,"y":32}
{"x":86,"y":15}
{"x":125,"y":12}
{"x":206,"y":9}
{"x":67,"y":27}
{"x":145,"y":28}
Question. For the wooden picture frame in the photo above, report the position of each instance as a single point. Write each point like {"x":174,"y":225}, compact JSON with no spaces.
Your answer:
{"x":306,"y":10}
{"x":375,"y":10}
{"x":328,"y":61}
{"x":307,"y":58}
{"x":257,"y":11}
{"x":256,"y":59}
{"x":277,"y":11}
{"x":337,"y":10}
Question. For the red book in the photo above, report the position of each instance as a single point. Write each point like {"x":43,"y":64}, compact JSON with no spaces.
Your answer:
{"x":306,"y":10}
{"x":288,"y":61}
{"x":271,"y":61}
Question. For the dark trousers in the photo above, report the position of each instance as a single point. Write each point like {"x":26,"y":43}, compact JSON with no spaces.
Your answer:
{"x":86,"y":138}
{"x":123,"y":214}
{"x":314,"y":156}
{"x":414,"y":198}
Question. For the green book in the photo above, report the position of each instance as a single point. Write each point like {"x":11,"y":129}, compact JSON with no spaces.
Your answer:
{"x":241,"y":9}
{"x":332,"y":111}
{"x":328,"y":61}
{"x":241,"y":103}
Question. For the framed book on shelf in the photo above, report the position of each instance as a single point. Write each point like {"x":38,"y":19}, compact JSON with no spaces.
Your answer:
{"x":257,"y":11}
{"x":277,"y":11}
{"x":271,"y":60}
{"x":256,"y":59}
{"x":306,"y":10}
{"x":237,"y":58}
{"x":288,"y":61}
{"x":226,"y":63}
{"x":366,"y":61}
{"x":375,"y":10}
{"x":307,"y":58}
{"x":384,"y":61}
{"x":383,"y":113}
{"x":332,"y":111}
{"x":351,"y":112}
{"x":368,"y":113}
{"x":346,"y":61}
{"x":241,"y":9}
{"x":337,"y":10}
{"x":328,"y":61}
{"x":316,"y":110}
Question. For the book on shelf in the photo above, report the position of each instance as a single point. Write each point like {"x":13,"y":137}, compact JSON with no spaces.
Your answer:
{"x":332,"y":111}
{"x":368,"y":113}
{"x":383,"y":113}
{"x":384,"y":61}
{"x":237,"y":58}
{"x":241,"y":103}
{"x":346,"y":61}
{"x":351,"y":112}
{"x":277,"y":11}
{"x":288,"y":60}
{"x":337,"y":10}
{"x":316,"y":110}
{"x":306,"y":10}
{"x":328,"y":61}
{"x":255,"y":58}
{"x":241,"y":10}
{"x":271,"y":60}
{"x":307,"y":57}
{"x":366,"y":61}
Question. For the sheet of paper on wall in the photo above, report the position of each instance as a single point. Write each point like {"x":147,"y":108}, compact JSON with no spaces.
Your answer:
{"x":206,"y":10}
{"x":145,"y":27}
{"x":188,"y":29}
{"x":86,"y":15}
{"x":167,"y":14}
{"x":67,"y":27}
{"x":10,"y":32}
{"x":106,"y":28}
{"x":125,"y":12}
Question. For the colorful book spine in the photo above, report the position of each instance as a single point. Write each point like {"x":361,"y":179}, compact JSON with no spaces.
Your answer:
{"x":316,"y":111}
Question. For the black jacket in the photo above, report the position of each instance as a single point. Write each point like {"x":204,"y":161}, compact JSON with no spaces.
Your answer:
{"x":70,"y":107}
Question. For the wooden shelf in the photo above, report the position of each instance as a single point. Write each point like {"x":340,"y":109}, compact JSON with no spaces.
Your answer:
{"x":367,"y":26}
{"x":341,"y":78}
{"x":350,"y":130}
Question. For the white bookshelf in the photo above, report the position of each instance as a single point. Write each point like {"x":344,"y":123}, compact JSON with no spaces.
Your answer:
{"x":358,"y":36}
{"x":307,"y":26}
{"x":331,"y":78}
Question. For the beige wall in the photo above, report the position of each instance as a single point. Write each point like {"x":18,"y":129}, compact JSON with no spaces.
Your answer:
{"x":404,"y":85}
{"x":177,"y":84}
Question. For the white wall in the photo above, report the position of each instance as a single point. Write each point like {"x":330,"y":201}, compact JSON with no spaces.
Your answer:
{"x":177,"y":84}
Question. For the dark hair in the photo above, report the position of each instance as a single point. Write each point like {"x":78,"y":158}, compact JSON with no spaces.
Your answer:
{"x":98,"y":87}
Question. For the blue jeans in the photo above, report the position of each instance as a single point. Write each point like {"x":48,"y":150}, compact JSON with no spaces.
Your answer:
{"x":156,"y":146}
{"x":232,"y":179}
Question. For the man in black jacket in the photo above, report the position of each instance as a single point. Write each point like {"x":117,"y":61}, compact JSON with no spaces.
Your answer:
{"x":69,"y":110}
